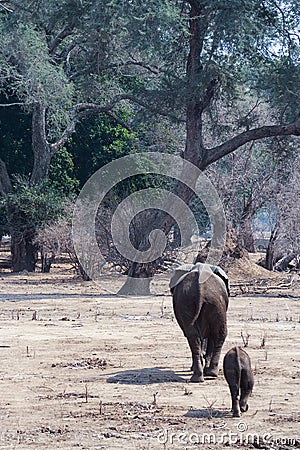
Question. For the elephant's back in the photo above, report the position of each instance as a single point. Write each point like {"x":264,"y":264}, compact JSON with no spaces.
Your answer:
{"x":213,"y":291}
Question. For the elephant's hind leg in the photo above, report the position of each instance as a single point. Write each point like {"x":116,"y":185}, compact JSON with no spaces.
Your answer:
{"x":197,"y":366}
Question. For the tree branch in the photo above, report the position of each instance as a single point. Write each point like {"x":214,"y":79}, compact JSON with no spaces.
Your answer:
{"x":5,"y":105}
{"x":6,"y":8}
{"x":67,"y":31}
{"x":69,"y":130}
{"x":119,"y":121}
{"x":155,"y":69}
{"x":84,"y":110}
{"x":209,"y":94}
{"x":216,"y":153}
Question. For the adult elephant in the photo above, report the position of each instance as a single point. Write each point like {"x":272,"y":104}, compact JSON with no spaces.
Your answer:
{"x":200,"y":302}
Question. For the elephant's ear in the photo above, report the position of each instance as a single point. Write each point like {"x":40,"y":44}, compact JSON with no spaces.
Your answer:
{"x":221,"y":274}
{"x":179,"y":274}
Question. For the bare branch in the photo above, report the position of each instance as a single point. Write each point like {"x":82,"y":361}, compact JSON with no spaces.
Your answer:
{"x":6,"y":8}
{"x":69,"y":130}
{"x":67,"y":31}
{"x":119,"y":121}
{"x":5,"y":105}
{"x":154,"y":69}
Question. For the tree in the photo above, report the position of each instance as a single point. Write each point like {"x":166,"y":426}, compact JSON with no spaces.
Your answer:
{"x":284,"y":211}
{"x":246,"y":181}
{"x":180,"y":60}
{"x":220,"y":36}
{"x":28,"y":208}
{"x":40,"y":42}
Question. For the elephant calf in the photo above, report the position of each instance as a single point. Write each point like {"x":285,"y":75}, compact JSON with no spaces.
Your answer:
{"x":239,"y":376}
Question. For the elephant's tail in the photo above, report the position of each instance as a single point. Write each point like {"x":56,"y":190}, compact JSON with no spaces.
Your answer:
{"x":238,"y":363}
{"x":198,"y":302}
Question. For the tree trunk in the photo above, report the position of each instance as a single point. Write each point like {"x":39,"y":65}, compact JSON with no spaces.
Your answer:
{"x":270,"y":254}
{"x":176,"y":237}
{"x":5,"y":182}
{"x":246,"y":233}
{"x":24,"y":253}
{"x":40,"y":147}
{"x":138,"y":280}
{"x":47,"y":260}
{"x":139,"y":275}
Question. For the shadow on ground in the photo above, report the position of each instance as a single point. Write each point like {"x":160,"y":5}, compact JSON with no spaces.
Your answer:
{"x":51,"y":296}
{"x":146,"y":376}
{"x":208,"y":413}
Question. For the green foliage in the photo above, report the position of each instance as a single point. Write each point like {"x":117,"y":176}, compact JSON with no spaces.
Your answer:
{"x":60,"y":53}
{"x":98,"y":141}
{"x":31,"y":74}
{"x":61,"y":173}
{"x":282,"y":85}
{"x":15,"y":139}
{"x":29,"y":208}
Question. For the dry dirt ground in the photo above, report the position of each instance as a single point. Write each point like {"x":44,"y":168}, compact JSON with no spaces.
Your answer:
{"x":84,"y":368}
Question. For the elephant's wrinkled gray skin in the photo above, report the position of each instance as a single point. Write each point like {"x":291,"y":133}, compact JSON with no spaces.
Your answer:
{"x":200,"y":309}
{"x":239,"y":376}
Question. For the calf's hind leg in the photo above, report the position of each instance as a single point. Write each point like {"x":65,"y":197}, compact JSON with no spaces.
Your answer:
{"x":232,"y":377}
{"x":234,"y":391}
{"x":247,"y":382}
